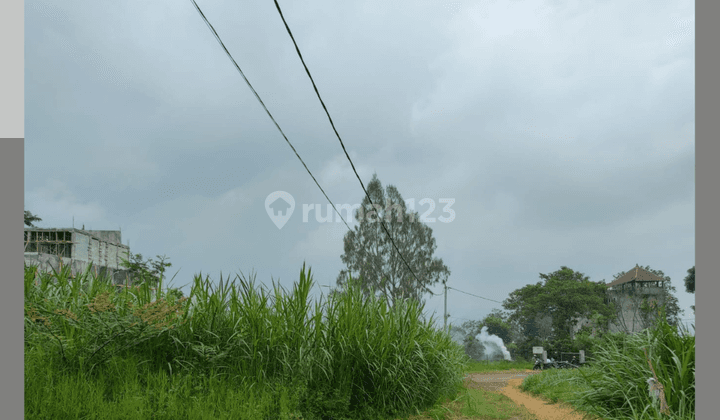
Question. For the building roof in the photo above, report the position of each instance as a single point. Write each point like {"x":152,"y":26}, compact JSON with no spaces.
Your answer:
{"x":636,"y":274}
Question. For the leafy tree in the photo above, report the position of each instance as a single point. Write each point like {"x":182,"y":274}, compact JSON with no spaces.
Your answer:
{"x":471,"y":328}
{"x":690,"y":283}
{"x":543,"y":324}
{"x":690,"y":280}
{"x":30,"y":218}
{"x":496,"y":326}
{"x":139,"y":271}
{"x":474,"y":348}
{"x":500,"y":323}
{"x":512,"y":348}
{"x":643,"y":310}
{"x":370,"y":256}
{"x":565,"y":296}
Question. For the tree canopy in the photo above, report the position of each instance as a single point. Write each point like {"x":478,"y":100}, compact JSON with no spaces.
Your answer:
{"x":690,"y":283}
{"x":30,"y":218}
{"x":370,"y":257}
{"x":565,"y":296}
{"x":497,"y":324}
{"x":690,"y":280}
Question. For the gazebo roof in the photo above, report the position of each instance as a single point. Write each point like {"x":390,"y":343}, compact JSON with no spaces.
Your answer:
{"x":636,"y":274}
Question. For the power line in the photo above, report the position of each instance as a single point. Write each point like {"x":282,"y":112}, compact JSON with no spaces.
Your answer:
{"x":464,"y":319}
{"x":217,"y":37}
{"x":474,"y":295}
{"x":341,"y":142}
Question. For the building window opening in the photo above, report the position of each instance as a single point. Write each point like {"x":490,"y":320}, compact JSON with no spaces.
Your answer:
{"x":53,"y":242}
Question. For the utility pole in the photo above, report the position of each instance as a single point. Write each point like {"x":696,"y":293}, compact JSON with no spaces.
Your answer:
{"x":446,"y":315}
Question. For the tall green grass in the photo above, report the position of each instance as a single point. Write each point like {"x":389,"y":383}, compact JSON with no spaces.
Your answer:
{"x":615,"y":387}
{"x":93,"y":351}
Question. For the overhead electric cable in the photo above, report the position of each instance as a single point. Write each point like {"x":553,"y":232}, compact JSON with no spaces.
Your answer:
{"x":474,"y":295}
{"x":263,"y":105}
{"x":343,"y":145}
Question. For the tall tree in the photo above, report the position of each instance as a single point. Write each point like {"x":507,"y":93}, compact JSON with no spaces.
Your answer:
{"x":566,"y":296}
{"x":30,"y":218}
{"x":643,"y":310}
{"x":525,"y":308}
{"x":370,"y":256}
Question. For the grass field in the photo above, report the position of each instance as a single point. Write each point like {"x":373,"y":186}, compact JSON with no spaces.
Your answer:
{"x":231,"y":352}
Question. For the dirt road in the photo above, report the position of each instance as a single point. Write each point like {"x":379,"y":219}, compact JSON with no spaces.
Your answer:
{"x":508,"y":383}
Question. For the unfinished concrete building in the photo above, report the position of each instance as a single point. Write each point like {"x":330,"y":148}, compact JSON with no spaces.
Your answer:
{"x":47,"y":247}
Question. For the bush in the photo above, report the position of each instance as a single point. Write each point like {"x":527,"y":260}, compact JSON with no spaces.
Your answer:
{"x":616,"y":381}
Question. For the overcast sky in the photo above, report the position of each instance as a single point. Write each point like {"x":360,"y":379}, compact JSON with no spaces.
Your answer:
{"x":564,"y":131}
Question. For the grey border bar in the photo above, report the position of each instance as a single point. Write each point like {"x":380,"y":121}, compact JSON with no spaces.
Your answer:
{"x":12,"y":126}
{"x":12,"y":373}
{"x":12,"y":86}
{"x":707,"y":223}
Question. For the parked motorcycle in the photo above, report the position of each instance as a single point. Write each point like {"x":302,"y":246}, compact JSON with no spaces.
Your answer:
{"x":550,"y":364}
{"x":567,"y":365}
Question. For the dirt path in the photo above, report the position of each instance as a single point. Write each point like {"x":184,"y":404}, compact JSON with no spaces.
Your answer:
{"x":508,"y":384}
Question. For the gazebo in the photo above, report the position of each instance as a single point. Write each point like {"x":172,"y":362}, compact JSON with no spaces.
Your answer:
{"x":636,"y":277}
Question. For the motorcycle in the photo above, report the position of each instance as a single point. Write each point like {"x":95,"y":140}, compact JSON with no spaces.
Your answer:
{"x":550,"y":364}
{"x":567,"y":365}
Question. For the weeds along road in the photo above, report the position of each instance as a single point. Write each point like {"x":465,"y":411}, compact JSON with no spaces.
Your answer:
{"x":508,"y":383}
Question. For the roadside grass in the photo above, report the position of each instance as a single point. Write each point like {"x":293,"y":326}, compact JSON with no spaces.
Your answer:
{"x":475,"y":366}
{"x":478,"y":404}
{"x":97,"y":351}
{"x":94,"y":350}
{"x":475,"y":404}
{"x":556,"y":385}
{"x":615,"y":386}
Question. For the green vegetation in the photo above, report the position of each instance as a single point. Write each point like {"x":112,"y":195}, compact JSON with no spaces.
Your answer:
{"x":690,"y":283}
{"x":549,"y":310}
{"x":615,"y":387}
{"x":30,"y":219}
{"x":369,"y":253}
{"x":478,"y":404}
{"x":474,"y":366}
{"x":93,"y":351}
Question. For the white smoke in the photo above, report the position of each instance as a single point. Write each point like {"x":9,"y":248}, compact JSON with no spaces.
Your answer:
{"x":493,"y":344}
